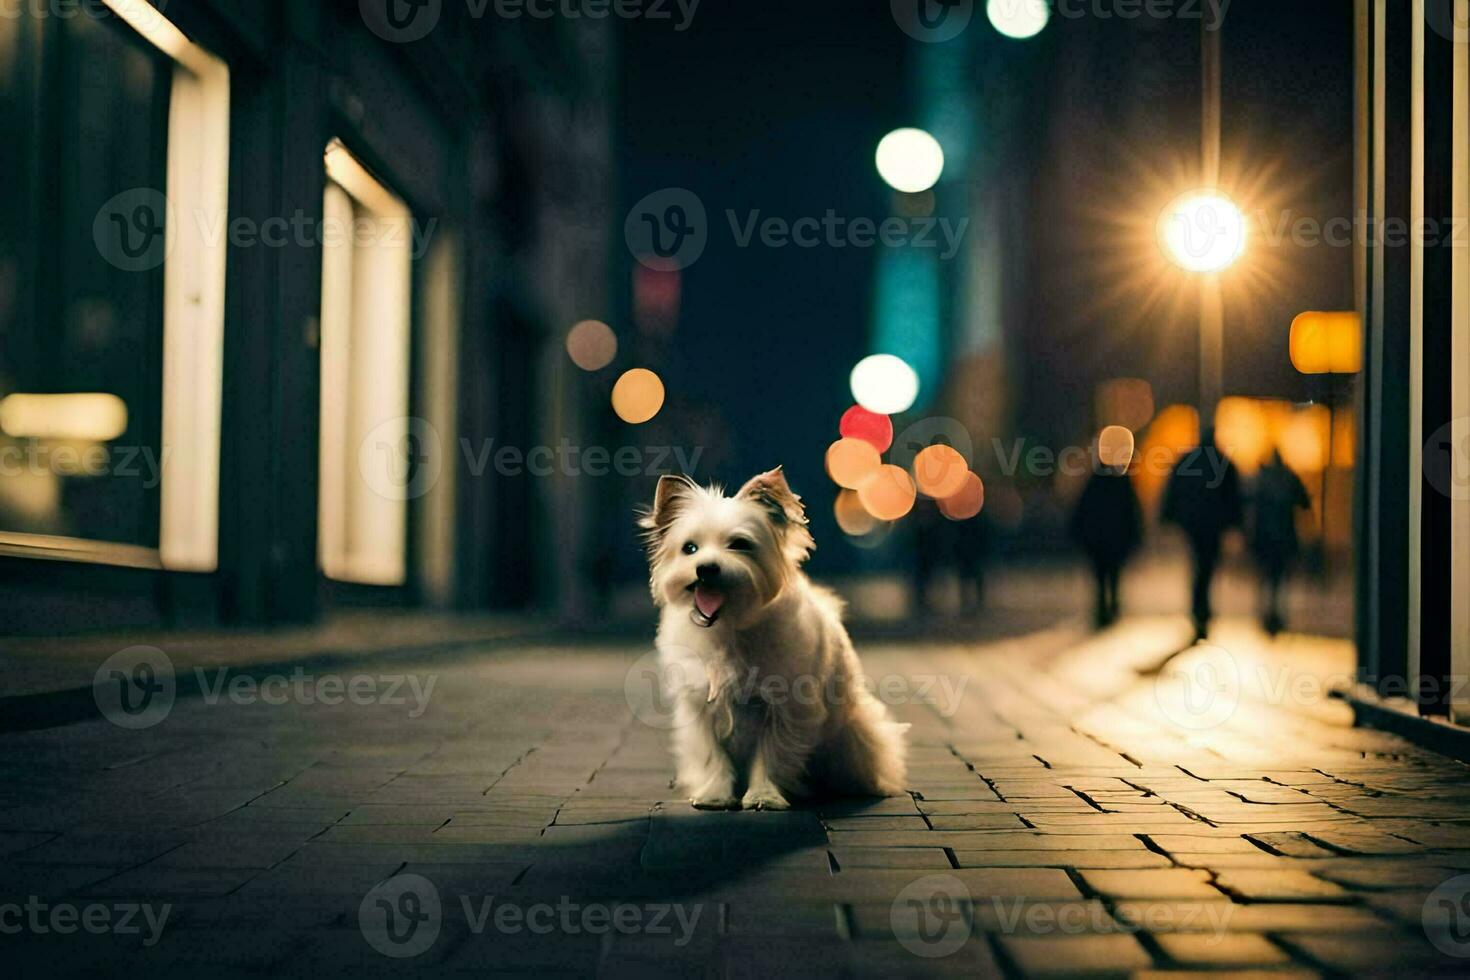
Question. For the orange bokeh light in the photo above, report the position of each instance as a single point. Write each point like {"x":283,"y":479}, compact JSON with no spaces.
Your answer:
{"x":592,"y":345}
{"x":850,"y":462}
{"x":852,"y":517}
{"x":1115,"y":446}
{"x":888,"y":494}
{"x":968,"y":502}
{"x":1327,"y":343}
{"x":638,"y":396}
{"x":940,"y":471}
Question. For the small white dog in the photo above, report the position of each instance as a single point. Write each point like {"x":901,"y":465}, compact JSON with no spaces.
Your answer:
{"x":768,"y":696}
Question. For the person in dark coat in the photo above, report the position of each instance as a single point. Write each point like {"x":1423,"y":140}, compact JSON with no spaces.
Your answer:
{"x":1279,"y":494}
{"x":1203,"y":500}
{"x":1108,"y":524}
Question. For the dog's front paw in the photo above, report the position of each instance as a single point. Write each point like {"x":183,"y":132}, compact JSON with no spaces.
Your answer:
{"x":715,"y":802}
{"x":766,"y":798}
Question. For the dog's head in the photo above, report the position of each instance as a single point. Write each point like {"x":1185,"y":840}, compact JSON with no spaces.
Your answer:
{"x":726,"y":558}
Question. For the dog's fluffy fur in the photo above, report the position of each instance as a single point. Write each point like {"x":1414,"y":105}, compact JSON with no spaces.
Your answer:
{"x":769,"y":701}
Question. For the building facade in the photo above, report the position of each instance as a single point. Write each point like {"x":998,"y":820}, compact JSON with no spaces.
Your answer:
{"x":1413,"y":520}
{"x":271,"y":276}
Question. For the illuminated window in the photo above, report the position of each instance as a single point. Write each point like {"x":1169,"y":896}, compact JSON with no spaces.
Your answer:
{"x":113,"y":315}
{"x":369,"y":451}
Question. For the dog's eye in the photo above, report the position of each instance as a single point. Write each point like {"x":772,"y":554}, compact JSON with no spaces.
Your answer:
{"x":742,"y":544}
{"x":690,"y":547}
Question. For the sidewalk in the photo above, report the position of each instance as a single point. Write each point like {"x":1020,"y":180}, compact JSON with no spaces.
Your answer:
{"x":1079,"y":805}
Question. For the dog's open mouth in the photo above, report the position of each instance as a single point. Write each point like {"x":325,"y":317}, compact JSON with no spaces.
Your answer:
{"x":708,"y":601}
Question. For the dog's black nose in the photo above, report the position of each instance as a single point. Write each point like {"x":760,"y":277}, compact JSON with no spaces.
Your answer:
{"x":708,"y":573}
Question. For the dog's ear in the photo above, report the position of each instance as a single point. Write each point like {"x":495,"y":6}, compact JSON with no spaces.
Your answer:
{"x":772,"y":492}
{"x":672,"y":493}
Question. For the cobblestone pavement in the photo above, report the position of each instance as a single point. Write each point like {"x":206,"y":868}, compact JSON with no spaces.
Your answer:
{"x":1079,"y":805}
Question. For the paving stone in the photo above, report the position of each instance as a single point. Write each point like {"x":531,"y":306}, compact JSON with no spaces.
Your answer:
{"x":1061,"y":859}
{"x":1074,"y":956}
{"x":913,"y":822}
{"x":928,"y":858}
{"x":1226,"y":949}
{"x":1279,"y":886}
{"x":1169,"y":883}
{"x":1294,"y":845}
{"x":1215,"y":916}
{"x":816,"y":919}
{"x":978,"y":821}
{"x":1385,"y":955}
{"x":1204,"y":845}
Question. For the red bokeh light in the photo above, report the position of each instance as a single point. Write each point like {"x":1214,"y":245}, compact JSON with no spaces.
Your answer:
{"x":870,"y":427}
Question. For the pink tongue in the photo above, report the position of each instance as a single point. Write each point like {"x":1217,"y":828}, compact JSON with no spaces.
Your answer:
{"x":708,"y":600}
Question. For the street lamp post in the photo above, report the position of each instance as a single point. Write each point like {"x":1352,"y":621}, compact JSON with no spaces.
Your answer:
{"x":1211,"y":302}
{"x":1203,"y":232}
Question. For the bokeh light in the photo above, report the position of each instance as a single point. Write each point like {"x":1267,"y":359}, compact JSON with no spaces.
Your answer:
{"x":1125,"y":401}
{"x":851,"y":462}
{"x":638,"y":396}
{"x":968,"y":502}
{"x":1115,"y":446}
{"x":940,"y":471}
{"x":885,"y":384}
{"x":1245,"y":432}
{"x":1304,"y":440}
{"x":859,"y":423}
{"x":910,"y":160}
{"x":1018,"y":19}
{"x":1202,"y":231}
{"x":1172,"y":433}
{"x":592,"y":345}
{"x":888,"y":494}
{"x":1327,"y":343}
{"x":852,"y":516}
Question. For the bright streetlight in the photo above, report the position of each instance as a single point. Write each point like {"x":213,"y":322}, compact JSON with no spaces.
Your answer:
{"x":910,"y":160}
{"x":1203,"y":231}
{"x":1018,"y":19}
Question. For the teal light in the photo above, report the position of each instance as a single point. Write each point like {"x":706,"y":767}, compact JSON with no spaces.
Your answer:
{"x":907,"y":315}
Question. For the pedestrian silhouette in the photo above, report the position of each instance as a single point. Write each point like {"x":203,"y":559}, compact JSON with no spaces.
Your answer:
{"x":1108,"y":525}
{"x":1279,"y":494}
{"x":1203,"y":500}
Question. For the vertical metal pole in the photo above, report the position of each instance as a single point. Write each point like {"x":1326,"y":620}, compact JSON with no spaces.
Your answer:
{"x":1212,"y":311}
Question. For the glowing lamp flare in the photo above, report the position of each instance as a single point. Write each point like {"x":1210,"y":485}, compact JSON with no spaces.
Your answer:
{"x":889,"y":494}
{"x":1115,"y":447}
{"x":1203,"y":231}
{"x":885,"y":384}
{"x":910,"y":160}
{"x":851,"y":462}
{"x":638,"y":396}
{"x":859,"y":423}
{"x":940,"y":471}
{"x":968,"y":502}
{"x":1018,"y":19}
{"x":852,"y":517}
